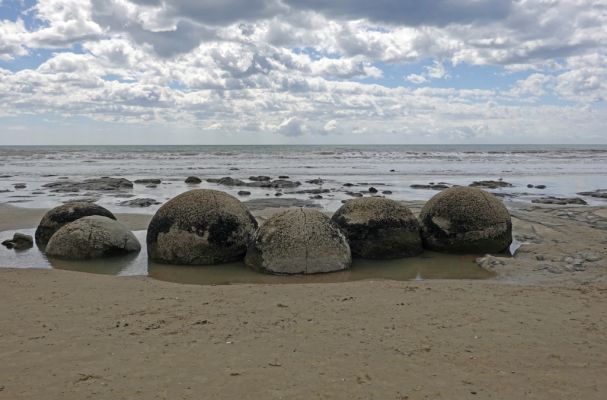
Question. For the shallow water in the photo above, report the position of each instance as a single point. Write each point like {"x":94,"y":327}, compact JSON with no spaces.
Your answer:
{"x":429,"y":265}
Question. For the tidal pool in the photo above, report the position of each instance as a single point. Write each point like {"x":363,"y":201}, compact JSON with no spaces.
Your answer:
{"x":429,"y":265}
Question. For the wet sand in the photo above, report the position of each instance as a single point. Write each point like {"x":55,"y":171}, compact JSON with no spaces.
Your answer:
{"x":538,"y":330}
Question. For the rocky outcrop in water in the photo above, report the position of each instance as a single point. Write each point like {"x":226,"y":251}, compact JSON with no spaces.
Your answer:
{"x":145,"y":202}
{"x":466,"y":220}
{"x":431,"y":186}
{"x":599,"y":194}
{"x":92,"y":237}
{"x":490,"y":184}
{"x":95,"y":184}
{"x":64,"y":214}
{"x":148,"y":181}
{"x":560,"y":200}
{"x":275,"y":184}
{"x":20,"y":241}
{"x":301,"y":241}
{"x":379,"y":228}
{"x":200,"y":227}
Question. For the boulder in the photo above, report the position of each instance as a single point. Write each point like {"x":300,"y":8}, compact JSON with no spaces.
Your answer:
{"x":200,"y":227}
{"x":20,"y":241}
{"x":64,"y":214}
{"x":299,"y":241}
{"x":193,"y":180}
{"x":379,"y":228}
{"x":92,"y":237}
{"x":466,"y":220}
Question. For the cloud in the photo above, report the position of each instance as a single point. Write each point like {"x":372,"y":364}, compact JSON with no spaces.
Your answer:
{"x":291,"y":127}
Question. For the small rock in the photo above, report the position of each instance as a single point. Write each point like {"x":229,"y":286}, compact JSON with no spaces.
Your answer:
{"x":277,"y":194}
{"x":19,"y":186}
{"x":490,"y":184}
{"x":317,"y":181}
{"x":193,"y":180}
{"x":139,"y":203}
{"x":540,"y":186}
{"x":387,"y":192}
{"x":260,"y":178}
{"x":244,"y":193}
{"x":283,"y":177}
{"x":348,"y":184}
{"x":372,"y":190}
{"x":148,"y":181}
{"x":316,"y":197}
{"x":19,"y":241}
{"x":560,"y":200}
{"x":530,"y":186}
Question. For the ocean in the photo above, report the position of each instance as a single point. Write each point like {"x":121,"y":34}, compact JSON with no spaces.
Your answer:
{"x":564,"y":169}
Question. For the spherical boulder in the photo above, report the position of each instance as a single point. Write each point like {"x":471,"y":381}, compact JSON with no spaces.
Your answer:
{"x":64,"y":214}
{"x":299,"y":241}
{"x":200,"y":227}
{"x":92,"y":237}
{"x":379,"y":228}
{"x":466,"y":220}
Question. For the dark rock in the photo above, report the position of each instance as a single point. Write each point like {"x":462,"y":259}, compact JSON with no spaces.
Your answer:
{"x":54,"y":219}
{"x":92,"y":237}
{"x":372,"y":190}
{"x":490,"y":184}
{"x":148,"y":181}
{"x":317,"y":181}
{"x":260,"y":178}
{"x":348,"y":184}
{"x":540,"y":186}
{"x":283,"y":177}
{"x":311,"y":191}
{"x":262,"y":204}
{"x":302,"y":241}
{"x":193,"y":180}
{"x":530,"y":186}
{"x":387,"y":192}
{"x":466,"y":220}
{"x":560,"y":200}
{"x":228,"y":181}
{"x":316,"y":197}
{"x":354,"y":194}
{"x":145,"y":202}
{"x":277,"y":194}
{"x":599,"y":194}
{"x":19,"y":185}
{"x":19,"y":241}
{"x":281,"y":184}
{"x":379,"y":228}
{"x":96,"y":184}
{"x":431,"y":186}
{"x":200,"y":227}
{"x":244,"y":193}
{"x":392,"y":170}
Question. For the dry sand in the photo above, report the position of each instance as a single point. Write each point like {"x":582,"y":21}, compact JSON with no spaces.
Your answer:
{"x":537,"y":331}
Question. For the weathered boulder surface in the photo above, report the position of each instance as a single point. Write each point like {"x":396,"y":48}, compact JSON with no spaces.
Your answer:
{"x":379,"y":228}
{"x":92,"y":237}
{"x":466,"y":220}
{"x":200,"y":227}
{"x":64,"y":214}
{"x":299,"y":241}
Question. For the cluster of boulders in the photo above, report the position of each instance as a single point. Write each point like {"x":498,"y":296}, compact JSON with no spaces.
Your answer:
{"x":83,"y":230}
{"x":203,"y":226}
{"x":208,"y":227}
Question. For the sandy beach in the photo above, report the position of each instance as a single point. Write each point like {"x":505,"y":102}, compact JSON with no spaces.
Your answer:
{"x":536,"y":330}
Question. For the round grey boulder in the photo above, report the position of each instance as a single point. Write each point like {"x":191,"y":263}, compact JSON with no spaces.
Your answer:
{"x":466,"y":220}
{"x":200,"y":227}
{"x":64,"y":214}
{"x":92,"y":237}
{"x":299,"y":241}
{"x":379,"y":228}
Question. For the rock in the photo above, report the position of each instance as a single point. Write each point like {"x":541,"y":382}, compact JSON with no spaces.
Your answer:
{"x":599,"y":193}
{"x":227,"y":181}
{"x":95,"y":184}
{"x":64,"y":214}
{"x":278,"y":194}
{"x":490,"y":184}
{"x":283,"y":177}
{"x":280,"y":184}
{"x":316,"y":197}
{"x":560,"y":200}
{"x":244,"y":193}
{"x":530,"y":186}
{"x":430,"y":186}
{"x":145,"y":202}
{"x":19,"y":185}
{"x":92,"y":237}
{"x":301,"y":241}
{"x":20,"y":241}
{"x":354,"y":194}
{"x":348,"y":184}
{"x":392,"y":170}
{"x":200,"y":227}
{"x":540,"y":186}
{"x":372,"y":190}
{"x":466,"y":220}
{"x":317,"y":181}
{"x":311,"y":191}
{"x":193,"y":180}
{"x":262,"y":204}
{"x":386,"y":192}
{"x":260,"y":178}
{"x":148,"y":181}
{"x":379,"y":228}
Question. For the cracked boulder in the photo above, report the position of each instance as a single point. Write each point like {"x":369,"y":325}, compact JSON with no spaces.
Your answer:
{"x":200,"y":227}
{"x":299,"y":241}
{"x":92,"y":237}
{"x":54,"y":219}
{"x":466,"y":220}
{"x":379,"y":228}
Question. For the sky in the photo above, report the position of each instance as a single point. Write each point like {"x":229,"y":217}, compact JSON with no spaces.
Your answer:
{"x":303,"y":71}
